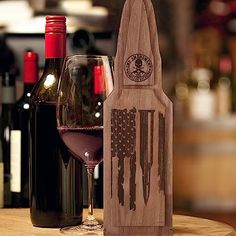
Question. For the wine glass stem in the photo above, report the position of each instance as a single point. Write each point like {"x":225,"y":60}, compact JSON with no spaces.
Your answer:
{"x":90,"y":193}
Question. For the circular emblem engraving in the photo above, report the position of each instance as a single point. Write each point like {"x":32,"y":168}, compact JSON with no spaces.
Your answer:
{"x":138,"y":67}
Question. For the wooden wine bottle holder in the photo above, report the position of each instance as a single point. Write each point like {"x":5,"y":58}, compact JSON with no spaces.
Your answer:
{"x":138,"y":132}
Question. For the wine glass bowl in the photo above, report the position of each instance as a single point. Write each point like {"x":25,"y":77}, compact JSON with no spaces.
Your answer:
{"x":84,"y":84}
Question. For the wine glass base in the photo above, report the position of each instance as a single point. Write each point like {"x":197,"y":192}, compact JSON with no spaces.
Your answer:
{"x":83,"y":230}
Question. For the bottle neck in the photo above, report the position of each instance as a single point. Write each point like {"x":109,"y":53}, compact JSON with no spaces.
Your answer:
{"x":55,"y":45}
{"x":53,"y":66}
{"x":8,"y":95}
{"x":28,"y":87}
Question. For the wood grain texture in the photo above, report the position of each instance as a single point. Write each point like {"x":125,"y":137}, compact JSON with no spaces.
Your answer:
{"x":186,"y":226}
{"x":16,"y":222}
{"x":138,"y":130}
{"x":204,"y":163}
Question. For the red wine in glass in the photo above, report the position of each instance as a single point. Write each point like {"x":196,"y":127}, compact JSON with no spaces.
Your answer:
{"x":85,"y":143}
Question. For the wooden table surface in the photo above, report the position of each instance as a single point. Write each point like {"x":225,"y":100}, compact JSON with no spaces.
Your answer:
{"x":16,"y":222}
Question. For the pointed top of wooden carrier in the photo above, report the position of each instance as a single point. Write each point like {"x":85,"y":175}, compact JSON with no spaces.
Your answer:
{"x":138,"y":132}
{"x":138,"y":36}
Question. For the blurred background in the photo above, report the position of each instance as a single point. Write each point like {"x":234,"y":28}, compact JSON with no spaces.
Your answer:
{"x":198,"y":48}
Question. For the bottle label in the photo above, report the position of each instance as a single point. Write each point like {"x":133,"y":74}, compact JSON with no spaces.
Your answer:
{"x":15,"y":161}
{"x":8,"y":95}
{"x":96,"y":172}
{"x":1,"y":185}
{"x":55,"y":45}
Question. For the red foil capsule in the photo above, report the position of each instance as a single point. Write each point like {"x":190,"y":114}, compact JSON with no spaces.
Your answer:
{"x":55,"y":37}
{"x":30,"y":67}
{"x":99,"y":83}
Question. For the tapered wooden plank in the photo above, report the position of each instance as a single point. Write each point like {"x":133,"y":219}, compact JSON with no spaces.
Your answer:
{"x":138,"y":132}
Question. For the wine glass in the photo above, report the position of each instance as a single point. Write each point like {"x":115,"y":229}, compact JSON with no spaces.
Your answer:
{"x":84,"y":84}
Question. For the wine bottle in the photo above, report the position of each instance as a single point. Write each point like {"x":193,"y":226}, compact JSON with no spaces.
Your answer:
{"x":224,"y":90}
{"x":8,"y":101}
{"x":19,"y":147}
{"x":231,"y":43}
{"x":55,"y":177}
{"x":1,"y":172}
{"x":99,"y":88}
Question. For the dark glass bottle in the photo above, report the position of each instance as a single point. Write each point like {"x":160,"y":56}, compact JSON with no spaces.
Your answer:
{"x":20,"y":135}
{"x":98,"y":172}
{"x":1,"y":171}
{"x":8,"y":101}
{"x":55,"y":177}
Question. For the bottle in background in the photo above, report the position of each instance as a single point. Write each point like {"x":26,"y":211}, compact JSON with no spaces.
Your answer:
{"x":7,"y":57}
{"x":99,"y":88}
{"x":231,"y":40}
{"x":55,"y":177}
{"x":8,"y":102}
{"x":1,"y":171}
{"x":224,"y":91}
{"x":202,"y":100}
{"x":19,"y":147}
